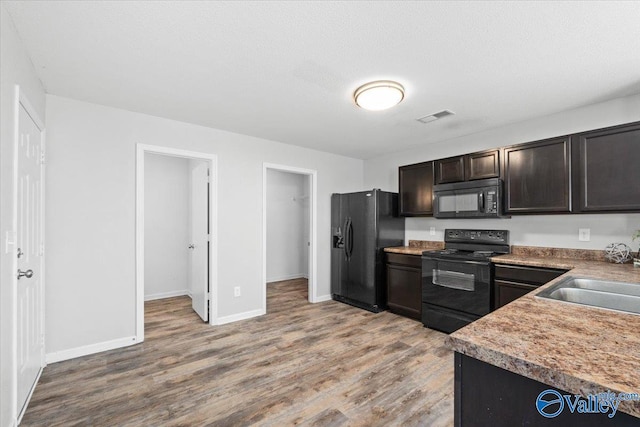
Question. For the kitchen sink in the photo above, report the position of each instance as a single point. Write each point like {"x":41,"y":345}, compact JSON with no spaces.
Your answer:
{"x":619,"y":296}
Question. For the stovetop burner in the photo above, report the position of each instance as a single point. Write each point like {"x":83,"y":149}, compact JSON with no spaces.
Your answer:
{"x":478,"y":245}
{"x":483,"y":254}
{"x":443,"y":251}
{"x":456,"y":253}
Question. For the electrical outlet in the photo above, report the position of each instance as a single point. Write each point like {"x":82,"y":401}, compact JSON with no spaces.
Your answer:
{"x":236,"y":291}
{"x":584,"y":234}
{"x":432,"y":231}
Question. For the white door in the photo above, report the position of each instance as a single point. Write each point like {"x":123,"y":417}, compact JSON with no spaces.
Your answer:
{"x":30,"y":252}
{"x":199,"y":276}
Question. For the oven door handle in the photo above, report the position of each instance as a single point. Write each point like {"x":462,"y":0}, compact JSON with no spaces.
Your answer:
{"x":457,"y":288}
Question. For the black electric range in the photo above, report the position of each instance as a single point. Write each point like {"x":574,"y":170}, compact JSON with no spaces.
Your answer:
{"x":456,"y":281}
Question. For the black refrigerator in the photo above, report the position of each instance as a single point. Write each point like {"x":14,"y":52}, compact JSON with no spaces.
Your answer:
{"x":362,"y":225}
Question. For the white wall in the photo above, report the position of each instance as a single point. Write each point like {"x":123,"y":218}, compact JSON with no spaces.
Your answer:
{"x":533,"y":230}
{"x":15,"y":68}
{"x":166,"y":226}
{"x":287,"y":225}
{"x":91,"y":214}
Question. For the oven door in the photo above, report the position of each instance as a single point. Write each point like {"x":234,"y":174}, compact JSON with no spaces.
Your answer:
{"x":457,"y":285}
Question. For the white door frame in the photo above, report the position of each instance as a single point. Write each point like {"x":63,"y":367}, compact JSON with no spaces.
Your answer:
{"x":21,"y":100}
{"x":212,"y":159}
{"x":313,"y":256}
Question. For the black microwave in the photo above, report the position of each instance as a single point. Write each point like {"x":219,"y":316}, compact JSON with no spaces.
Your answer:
{"x":469,"y":199}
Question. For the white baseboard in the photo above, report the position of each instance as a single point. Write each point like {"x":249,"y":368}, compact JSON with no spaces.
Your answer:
{"x":323,"y":298}
{"x":240,"y":316}
{"x":163,"y":295}
{"x":85,"y":350}
{"x":286,"y":277}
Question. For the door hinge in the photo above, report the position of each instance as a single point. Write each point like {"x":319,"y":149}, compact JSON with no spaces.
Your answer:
{"x":9,"y":241}
{"x":41,"y":249}
{"x":42,"y":157}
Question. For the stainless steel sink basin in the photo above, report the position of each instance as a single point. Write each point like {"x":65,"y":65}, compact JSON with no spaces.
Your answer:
{"x":617,"y":296}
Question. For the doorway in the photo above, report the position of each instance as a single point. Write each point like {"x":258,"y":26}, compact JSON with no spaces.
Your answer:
{"x":185,"y":193}
{"x":290,"y":193}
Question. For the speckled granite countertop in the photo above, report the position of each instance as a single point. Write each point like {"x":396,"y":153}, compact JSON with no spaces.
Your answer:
{"x":575,"y":348}
{"x":416,"y":247}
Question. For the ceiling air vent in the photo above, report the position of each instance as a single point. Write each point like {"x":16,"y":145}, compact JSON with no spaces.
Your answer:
{"x":435,"y":116}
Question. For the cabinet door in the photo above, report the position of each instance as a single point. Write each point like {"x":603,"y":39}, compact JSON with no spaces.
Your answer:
{"x":505,"y":292}
{"x":449,"y":170}
{"x":537,"y":177}
{"x":482,"y":165}
{"x":404,"y":290}
{"x":416,"y":189}
{"x":606,"y":168}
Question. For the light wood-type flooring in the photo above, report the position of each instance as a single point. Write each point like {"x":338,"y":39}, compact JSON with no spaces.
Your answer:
{"x":325,"y":364}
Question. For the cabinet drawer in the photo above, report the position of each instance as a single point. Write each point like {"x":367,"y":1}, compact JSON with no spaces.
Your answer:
{"x":529,"y":275}
{"x":409,"y":260}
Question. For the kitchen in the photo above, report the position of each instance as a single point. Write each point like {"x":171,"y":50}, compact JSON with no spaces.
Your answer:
{"x":524,"y":347}
{"x":94,"y":123}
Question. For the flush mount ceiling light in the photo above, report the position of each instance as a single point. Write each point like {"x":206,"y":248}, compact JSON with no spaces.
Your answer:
{"x":379,"y":95}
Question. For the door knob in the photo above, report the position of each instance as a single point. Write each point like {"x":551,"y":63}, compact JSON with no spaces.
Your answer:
{"x":192,"y":246}
{"x":28,"y":274}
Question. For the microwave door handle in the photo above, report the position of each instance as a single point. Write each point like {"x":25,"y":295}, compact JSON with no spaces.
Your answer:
{"x":481,"y":200}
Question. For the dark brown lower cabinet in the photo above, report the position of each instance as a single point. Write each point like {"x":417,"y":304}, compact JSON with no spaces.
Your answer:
{"x":513,"y":281}
{"x":404,"y":284}
{"x":485,"y":395}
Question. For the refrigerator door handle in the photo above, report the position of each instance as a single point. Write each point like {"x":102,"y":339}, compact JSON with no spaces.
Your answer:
{"x":350,"y":240}
{"x":347,"y":224}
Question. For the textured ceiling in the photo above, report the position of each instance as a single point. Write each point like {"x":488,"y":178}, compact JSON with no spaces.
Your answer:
{"x":286,"y":71}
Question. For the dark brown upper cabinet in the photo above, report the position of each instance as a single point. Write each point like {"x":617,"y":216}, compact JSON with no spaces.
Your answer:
{"x":482,"y":165}
{"x":416,"y":189}
{"x":485,"y":164}
{"x":449,"y":170}
{"x":606,"y":169}
{"x":537,"y":177}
